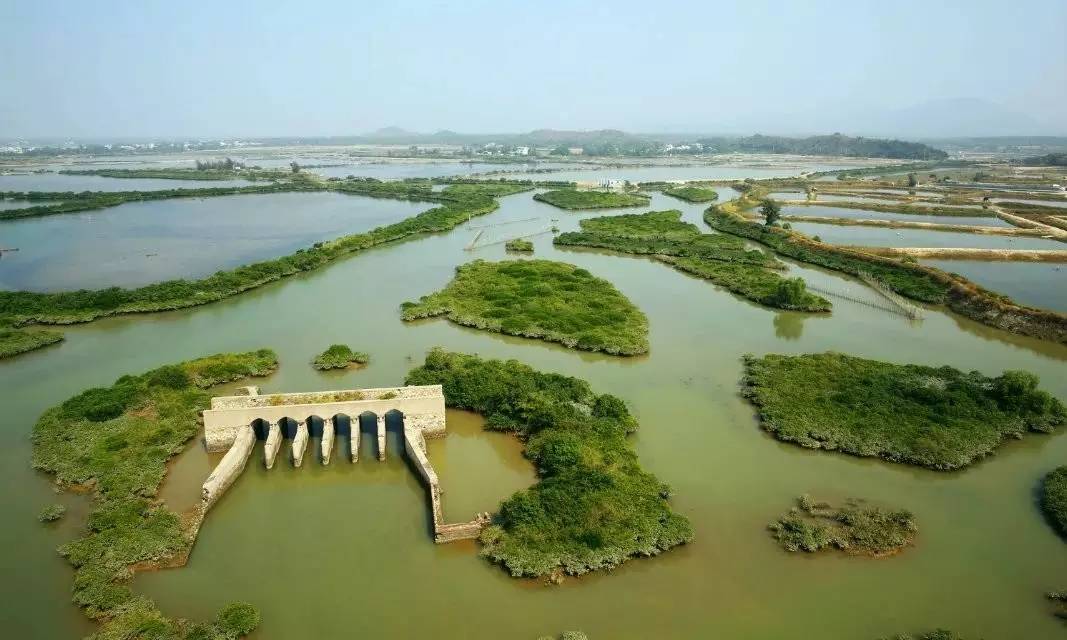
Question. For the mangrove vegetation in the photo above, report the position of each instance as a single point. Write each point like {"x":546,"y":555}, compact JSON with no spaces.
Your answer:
{"x":1054,"y":499}
{"x":935,"y":417}
{"x":520,"y":245}
{"x":551,"y":301}
{"x":339,"y":356}
{"x":115,"y":442}
{"x":855,"y":528}
{"x":720,"y":258}
{"x":577,"y":199}
{"x":691,"y":193}
{"x":593,"y":507}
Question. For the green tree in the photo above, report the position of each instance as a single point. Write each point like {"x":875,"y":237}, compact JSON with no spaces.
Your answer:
{"x":913,"y":180}
{"x":771,"y":211}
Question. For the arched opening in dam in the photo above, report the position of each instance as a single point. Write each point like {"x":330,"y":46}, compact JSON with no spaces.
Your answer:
{"x":288,"y":427}
{"x":342,"y":425}
{"x":260,"y":427}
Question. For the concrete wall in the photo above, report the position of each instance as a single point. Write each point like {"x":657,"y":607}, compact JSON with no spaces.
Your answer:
{"x":425,"y":405}
{"x":228,"y":469}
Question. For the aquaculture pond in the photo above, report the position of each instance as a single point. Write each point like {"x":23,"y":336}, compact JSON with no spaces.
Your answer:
{"x":657,"y":173}
{"x":346,"y":549}
{"x":391,"y":170}
{"x":1059,"y":204}
{"x":888,"y":237}
{"x":142,"y":242}
{"x":61,"y":182}
{"x":1038,"y":284}
{"x":863,"y":214}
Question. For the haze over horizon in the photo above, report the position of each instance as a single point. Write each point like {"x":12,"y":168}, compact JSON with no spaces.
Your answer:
{"x":909,"y":69}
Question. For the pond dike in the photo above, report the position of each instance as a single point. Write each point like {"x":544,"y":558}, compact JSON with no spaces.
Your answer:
{"x":234,"y":424}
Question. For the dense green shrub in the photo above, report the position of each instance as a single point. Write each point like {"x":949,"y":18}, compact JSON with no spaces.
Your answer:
{"x":692,"y":194}
{"x":51,"y":513}
{"x":339,"y":356}
{"x":594,"y":507}
{"x":237,"y":619}
{"x":552,"y":301}
{"x":519,"y":244}
{"x":936,"y":417}
{"x":575,"y":199}
{"x":1054,"y":498}
{"x":853,"y":528}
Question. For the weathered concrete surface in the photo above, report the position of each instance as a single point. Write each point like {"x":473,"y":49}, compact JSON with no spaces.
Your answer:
{"x":230,"y":413}
{"x":415,"y":446}
{"x":274,"y":442}
{"x":229,"y":468}
{"x":381,"y":437}
{"x":327,"y":440}
{"x":353,"y":442}
{"x":300,"y":443}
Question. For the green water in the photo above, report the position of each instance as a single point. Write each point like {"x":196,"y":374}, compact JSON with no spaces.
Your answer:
{"x":345,"y":550}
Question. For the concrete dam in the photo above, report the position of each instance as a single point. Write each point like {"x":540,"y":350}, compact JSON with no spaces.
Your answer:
{"x":234,"y":423}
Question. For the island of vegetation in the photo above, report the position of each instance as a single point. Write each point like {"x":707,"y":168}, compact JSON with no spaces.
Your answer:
{"x":51,"y":513}
{"x":16,"y":341}
{"x":935,"y":417}
{"x":720,"y":258}
{"x":518,"y":244}
{"x":551,"y":301}
{"x":339,"y":356}
{"x":576,"y":199}
{"x":692,"y":194}
{"x":854,"y":528}
{"x":457,"y":203}
{"x":1054,"y":499}
{"x":593,"y":507}
{"x":115,"y":442}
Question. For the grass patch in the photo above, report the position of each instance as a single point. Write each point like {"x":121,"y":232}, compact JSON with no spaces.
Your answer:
{"x":339,"y":356}
{"x":594,"y":507}
{"x":935,"y":417}
{"x":16,"y":341}
{"x":116,"y":440}
{"x":1054,"y":499}
{"x":853,"y":528}
{"x":692,"y":194}
{"x":720,"y":258}
{"x":552,"y":301}
{"x":575,"y":199}
{"x":519,"y":244}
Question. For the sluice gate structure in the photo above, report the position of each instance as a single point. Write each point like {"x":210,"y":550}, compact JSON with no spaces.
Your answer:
{"x":234,"y":423}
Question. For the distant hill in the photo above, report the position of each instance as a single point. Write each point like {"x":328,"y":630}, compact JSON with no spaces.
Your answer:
{"x":833,"y":145}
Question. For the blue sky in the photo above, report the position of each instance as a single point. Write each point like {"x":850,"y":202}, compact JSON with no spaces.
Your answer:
{"x":334,"y":68}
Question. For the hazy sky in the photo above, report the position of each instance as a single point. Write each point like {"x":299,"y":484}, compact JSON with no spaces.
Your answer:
{"x":234,"y":68}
